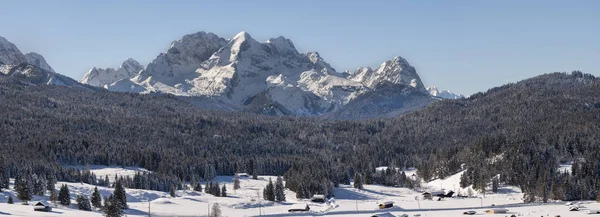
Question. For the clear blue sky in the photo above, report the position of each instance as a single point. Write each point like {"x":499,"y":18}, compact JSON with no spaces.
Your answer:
{"x":464,"y":46}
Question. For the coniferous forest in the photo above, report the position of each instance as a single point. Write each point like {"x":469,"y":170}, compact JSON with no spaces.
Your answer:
{"x":516,"y":134}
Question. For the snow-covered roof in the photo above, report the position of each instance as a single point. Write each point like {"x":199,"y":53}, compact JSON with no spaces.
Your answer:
{"x":41,"y":203}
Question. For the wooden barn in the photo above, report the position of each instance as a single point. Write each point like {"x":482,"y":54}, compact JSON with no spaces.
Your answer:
{"x":427,"y":196}
{"x":387,"y":204}
{"x":301,"y":207}
{"x":42,"y":207}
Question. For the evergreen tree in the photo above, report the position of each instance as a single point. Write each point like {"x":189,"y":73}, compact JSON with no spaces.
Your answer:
{"x":53,"y":196}
{"x":112,"y":207}
{"x":51,"y":183}
{"x":39,"y":185}
{"x":224,"y":191}
{"x":279,"y":190}
{"x":4,"y":180}
{"x":495,"y":185}
{"x":10,"y":199}
{"x":172,"y":191}
{"x":64,"y":197}
{"x":358,"y":184}
{"x":464,"y":180}
{"x":300,"y":192}
{"x":24,"y":189}
{"x":236,"y":182}
{"x":198,"y":187}
{"x":217,"y":190}
{"x":269,"y":191}
{"x":96,"y":198}
{"x":83,"y":203}
{"x":120,"y":195}
{"x":216,"y":210}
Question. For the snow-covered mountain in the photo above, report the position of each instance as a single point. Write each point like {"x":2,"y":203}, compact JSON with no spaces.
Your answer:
{"x":445,"y":94}
{"x":38,"y":60}
{"x":100,"y":77}
{"x":269,"y":77}
{"x":31,"y":68}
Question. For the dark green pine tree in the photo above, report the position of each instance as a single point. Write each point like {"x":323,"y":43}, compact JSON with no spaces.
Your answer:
{"x":96,"y":198}
{"x":279,"y":190}
{"x":172,"y":191}
{"x":198,"y":187}
{"x":236,"y":182}
{"x":464,"y":180}
{"x":23,"y":189}
{"x":64,"y":197}
{"x":120,"y":195}
{"x":269,"y":192}
{"x":209,"y":187}
{"x":83,"y":203}
{"x":224,"y":191}
{"x":358,"y":182}
{"x":111,"y":207}
{"x":495,"y":185}
{"x":10,"y":200}
{"x":217,"y":190}
{"x":300,"y":192}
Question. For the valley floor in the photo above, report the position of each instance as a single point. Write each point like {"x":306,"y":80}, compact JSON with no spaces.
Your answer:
{"x":248,"y":201}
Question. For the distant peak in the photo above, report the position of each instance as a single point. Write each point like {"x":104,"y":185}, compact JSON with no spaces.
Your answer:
{"x":243,"y":35}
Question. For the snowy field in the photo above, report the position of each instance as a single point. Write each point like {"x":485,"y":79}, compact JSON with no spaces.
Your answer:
{"x":247,"y":201}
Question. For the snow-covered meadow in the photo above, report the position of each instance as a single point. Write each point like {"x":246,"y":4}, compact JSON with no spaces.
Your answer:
{"x":248,"y":201}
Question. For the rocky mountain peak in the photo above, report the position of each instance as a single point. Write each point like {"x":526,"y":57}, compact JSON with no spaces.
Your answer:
{"x":38,"y":60}
{"x":10,"y":54}
{"x":100,"y":77}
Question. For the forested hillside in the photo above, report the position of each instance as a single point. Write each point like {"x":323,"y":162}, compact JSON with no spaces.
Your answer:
{"x":521,"y":131}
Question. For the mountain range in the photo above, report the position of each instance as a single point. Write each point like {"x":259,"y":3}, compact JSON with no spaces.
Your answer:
{"x":242,"y":74}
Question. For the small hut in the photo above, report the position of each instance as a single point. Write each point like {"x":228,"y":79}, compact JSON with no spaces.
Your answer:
{"x":318,"y":198}
{"x":427,"y":196}
{"x":387,"y":204}
{"x":497,"y":211}
{"x":42,"y":207}
{"x":300,"y":207}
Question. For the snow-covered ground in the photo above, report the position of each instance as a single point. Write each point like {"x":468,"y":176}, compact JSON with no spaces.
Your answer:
{"x":248,"y":201}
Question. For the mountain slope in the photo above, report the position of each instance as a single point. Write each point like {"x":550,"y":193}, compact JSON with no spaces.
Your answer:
{"x":260,"y":77}
{"x":38,"y":60}
{"x":533,"y":124}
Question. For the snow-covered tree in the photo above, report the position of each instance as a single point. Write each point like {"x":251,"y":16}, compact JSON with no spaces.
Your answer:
{"x":216,"y":210}
{"x":279,"y":190}
{"x":24,"y":189}
{"x":111,"y":207}
{"x":83,"y":203}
